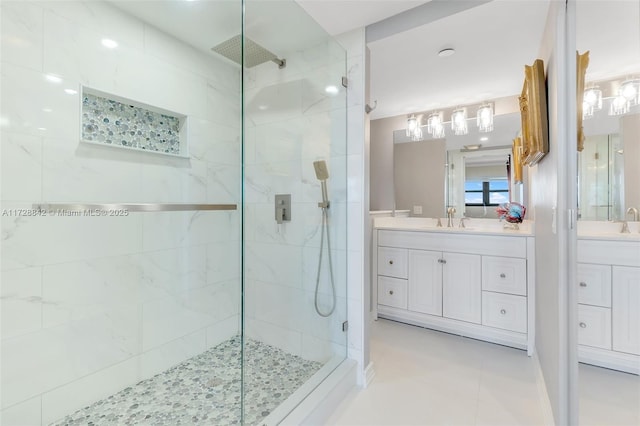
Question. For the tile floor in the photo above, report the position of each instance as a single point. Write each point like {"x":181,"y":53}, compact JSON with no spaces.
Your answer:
{"x":425,"y":377}
{"x":608,"y":397}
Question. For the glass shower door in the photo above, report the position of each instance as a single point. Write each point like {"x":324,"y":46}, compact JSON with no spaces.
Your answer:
{"x":295,"y":204}
{"x":120,"y":145}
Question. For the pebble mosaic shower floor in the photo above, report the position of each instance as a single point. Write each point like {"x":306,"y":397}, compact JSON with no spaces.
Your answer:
{"x":205,"y":390}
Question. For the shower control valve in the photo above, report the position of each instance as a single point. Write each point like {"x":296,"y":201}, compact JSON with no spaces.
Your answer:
{"x":283,"y":208}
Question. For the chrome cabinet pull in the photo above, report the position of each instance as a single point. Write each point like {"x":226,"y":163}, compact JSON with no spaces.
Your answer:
{"x":503,"y":311}
{"x":583,"y":325}
{"x":503,"y":275}
{"x":391,"y":292}
{"x":583,"y":284}
{"x":391,"y":262}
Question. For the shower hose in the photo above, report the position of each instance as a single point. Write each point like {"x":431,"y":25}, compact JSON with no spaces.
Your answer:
{"x":323,"y":228}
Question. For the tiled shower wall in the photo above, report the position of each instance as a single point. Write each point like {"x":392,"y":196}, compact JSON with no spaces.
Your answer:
{"x":91,"y":305}
{"x":290,"y":122}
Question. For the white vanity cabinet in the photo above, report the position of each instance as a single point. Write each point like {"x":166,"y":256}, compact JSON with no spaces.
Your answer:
{"x":474,"y":285}
{"x":609,"y":303}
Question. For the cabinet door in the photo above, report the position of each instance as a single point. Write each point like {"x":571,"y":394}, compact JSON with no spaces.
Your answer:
{"x":462,"y":287}
{"x":425,"y":282}
{"x":626,"y":309}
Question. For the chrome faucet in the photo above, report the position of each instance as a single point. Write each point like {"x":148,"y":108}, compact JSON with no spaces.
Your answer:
{"x":450,"y":212}
{"x":634,"y":212}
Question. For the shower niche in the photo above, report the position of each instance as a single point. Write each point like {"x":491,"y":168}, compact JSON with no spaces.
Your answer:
{"x":118,"y":122}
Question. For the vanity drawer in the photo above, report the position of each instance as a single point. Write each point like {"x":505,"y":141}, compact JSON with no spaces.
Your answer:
{"x":594,"y":285}
{"x":392,"y":262}
{"x":504,"y":275}
{"x":504,"y":311}
{"x":594,"y":326}
{"x":392,"y":292}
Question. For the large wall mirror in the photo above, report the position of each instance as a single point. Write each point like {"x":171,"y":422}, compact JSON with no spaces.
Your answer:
{"x":608,"y":192}
{"x":472,"y":173}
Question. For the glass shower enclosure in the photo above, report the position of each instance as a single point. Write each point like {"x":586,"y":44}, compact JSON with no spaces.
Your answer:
{"x":173,"y":211}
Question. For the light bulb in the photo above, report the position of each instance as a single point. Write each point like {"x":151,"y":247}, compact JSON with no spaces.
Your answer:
{"x":484,"y":118}
{"x":459,"y":122}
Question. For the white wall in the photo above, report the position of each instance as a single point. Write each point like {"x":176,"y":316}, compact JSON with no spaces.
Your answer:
{"x":92,"y":305}
{"x":549,"y":186}
{"x":382,"y":183}
{"x":301,"y":124}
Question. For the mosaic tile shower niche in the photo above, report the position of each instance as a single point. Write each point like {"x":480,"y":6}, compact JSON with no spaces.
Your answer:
{"x":118,"y":122}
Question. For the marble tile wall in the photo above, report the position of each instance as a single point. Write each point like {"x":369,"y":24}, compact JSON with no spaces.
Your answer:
{"x":291,"y":122}
{"x":90,"y":305}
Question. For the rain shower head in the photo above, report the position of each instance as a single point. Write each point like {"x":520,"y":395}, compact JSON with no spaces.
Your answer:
{"x":254,"y":53}
{"x":322,"y":173}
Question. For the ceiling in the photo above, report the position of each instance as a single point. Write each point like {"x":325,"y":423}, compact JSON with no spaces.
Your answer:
{"x":491,"y":44}
{"x":493,"y":41}
{"x":340,"y":16}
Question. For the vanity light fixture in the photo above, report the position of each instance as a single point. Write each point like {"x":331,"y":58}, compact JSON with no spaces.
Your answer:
{"x":630,"y":90}
{"x":459,"y":122}
{"x":591,"y":101}
{"x":619,"y":105}
{"x":413,"y":128}
{"x":438,"y":131}
{"x":434,"y":125}
{"x":484,"y":118}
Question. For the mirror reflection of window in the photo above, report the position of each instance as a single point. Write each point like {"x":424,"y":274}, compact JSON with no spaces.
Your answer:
{"x":488,"y":192}
{"x":485,"y":185}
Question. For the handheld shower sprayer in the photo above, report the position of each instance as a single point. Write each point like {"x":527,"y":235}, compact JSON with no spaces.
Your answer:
{"x":322,"y":173}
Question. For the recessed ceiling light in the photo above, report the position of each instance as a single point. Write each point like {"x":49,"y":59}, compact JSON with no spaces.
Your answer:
{"x":109,"y":44}
{"x":263,"y":107}
{"x":446,"y":52}
{"x":484,"y":139}
{"x":472,"y":147}
{"x":53,"y":78}
{"x":70,"y":91}
{"x":42,"y":128}
{"x":332,"y":90}
{"x":47,"y":110}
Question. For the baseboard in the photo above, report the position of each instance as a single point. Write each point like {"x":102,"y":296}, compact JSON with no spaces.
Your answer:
{"x":545,"y":401}
{"x":316,"y":408}
{"x":369,"y":374}
{"x":609,"y":359}
{"x":461,"y":328}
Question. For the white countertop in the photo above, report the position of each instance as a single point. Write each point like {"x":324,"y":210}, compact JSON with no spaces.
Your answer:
{"x":599,"y":230}
{"x":472,"y":226}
